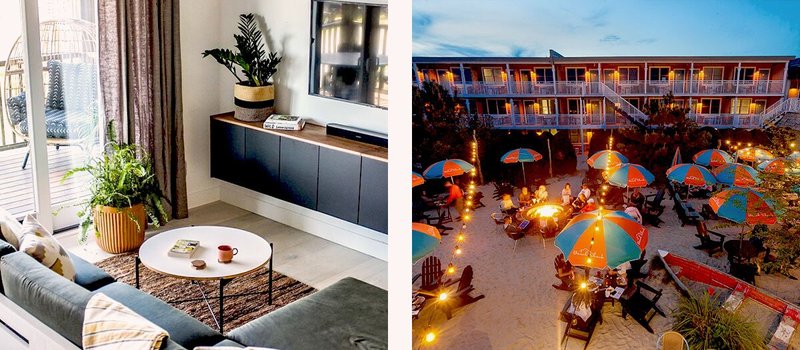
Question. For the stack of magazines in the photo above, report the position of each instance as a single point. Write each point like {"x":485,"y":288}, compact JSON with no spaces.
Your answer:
{"x":284,"y":122}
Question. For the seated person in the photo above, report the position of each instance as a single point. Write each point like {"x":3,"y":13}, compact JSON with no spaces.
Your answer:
{"x":620,"y":274}
{"x":540,"y":196}
{"x":585,"y":191}
{"x":524,"y":197}
{"x":548,"y":226}
{"x":455,"y":196}
{"x":590,"y":206}
{"x":633,"y":212}
{"x":564,"y":272}
{"x":579,"y":202}
{"x":510,"y":226}
{"x":507,"y":205}
{"x":637,"y":199}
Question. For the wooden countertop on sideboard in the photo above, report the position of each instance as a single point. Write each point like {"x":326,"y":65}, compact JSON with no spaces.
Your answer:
{"x":315,"y":134}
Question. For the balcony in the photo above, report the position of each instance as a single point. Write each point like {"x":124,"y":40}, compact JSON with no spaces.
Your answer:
{"x":612,"y":121}
{"x":624,"y":88}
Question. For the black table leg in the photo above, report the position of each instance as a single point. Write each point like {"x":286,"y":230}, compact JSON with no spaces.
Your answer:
{"x":271,"y":259}
{"x":136,"y":271}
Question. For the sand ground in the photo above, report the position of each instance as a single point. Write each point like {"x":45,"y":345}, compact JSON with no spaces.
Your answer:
{"x":520,"y":310}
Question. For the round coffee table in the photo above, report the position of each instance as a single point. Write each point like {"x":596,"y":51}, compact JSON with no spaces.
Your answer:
{"x":254,"y":253}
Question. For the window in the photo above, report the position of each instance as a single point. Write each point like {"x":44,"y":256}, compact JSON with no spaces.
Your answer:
{"x":544,"y":75}
{"x":573,"y":106}
{"x":525,"y":75}
{"x":547,"y":106}
{"x":494,"y":106}
{"x":348,"y":52}
{"x":456,"y":74}
{"x":467,"y":75}
{"x":741,"y":106}
{"x":633,"y":101}
{"x":659,"y":74}
{"x":746,"y":74}
{"x":576,"y":74}
{"x":493,"y":76}
{"x":441,"y":76}
{"x":710,"y":106}
{"x":530,"y":107}
{"x":712,"y":73}
{"x":628,"y":74}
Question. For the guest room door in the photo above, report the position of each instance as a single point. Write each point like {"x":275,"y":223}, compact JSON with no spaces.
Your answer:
{"x":50,"y":117}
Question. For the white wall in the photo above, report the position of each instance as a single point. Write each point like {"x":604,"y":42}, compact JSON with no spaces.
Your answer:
{"x":289,"y":32}
{"x":199,"y":31}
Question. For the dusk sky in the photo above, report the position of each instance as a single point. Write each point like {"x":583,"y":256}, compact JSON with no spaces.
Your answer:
{"x":605,"y":28}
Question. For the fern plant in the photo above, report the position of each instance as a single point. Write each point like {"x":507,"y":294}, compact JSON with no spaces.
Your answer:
{"x":257,"y":65}
{"x":706,"y":325}
{"x":122,"y":177}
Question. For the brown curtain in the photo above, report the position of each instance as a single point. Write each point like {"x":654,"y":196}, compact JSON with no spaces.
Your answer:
{"x":140,"y":77}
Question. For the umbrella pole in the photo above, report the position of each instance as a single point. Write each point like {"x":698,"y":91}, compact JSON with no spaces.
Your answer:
{"x":524,"y":179}
{"x":741,"y":239}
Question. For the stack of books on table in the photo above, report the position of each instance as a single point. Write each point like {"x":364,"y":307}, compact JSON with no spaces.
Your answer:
{"x":284,"y":122}
{"x":183,"y":248}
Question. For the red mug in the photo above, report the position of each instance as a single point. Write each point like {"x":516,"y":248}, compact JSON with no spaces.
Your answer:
{"x":226,"y":253}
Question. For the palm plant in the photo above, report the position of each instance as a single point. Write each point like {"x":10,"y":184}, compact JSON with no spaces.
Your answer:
{"x":121,"y":178}
{"x":706,"y":325}
{"x":256,"y":65}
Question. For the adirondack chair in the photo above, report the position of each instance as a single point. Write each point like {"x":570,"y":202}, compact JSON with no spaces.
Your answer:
{"x":653,"y":206}
{"x":432,"y":276}
{"x":578,"y":328}
{"x":641,"y":307}
{"x":460,"y":297}
{"x":636,"y":267}
{"x":477,"y":200}
{"x":706,"y":241}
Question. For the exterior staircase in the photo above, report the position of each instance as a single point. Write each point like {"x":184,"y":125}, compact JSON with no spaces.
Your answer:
{"x":623,"y":107}
{"x":782,"y":113}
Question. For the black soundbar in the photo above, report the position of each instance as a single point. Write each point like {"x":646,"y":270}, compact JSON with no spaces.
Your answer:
{"x":356,"y":134}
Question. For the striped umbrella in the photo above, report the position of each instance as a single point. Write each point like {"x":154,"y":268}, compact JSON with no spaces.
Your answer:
{"x":602,"y":238}
{"x":521,"y":156}
{"x":676,"y":159}
{"x":780,"y":166}
{"x":606,"y":159}
{"x":735,"y":174}
{"x":743,"y":206}
{"x":424,"y":239}
{"x":752,"y":154}
{"x":630,"y":176}
{"x":691,"y":174}
{"x":795,"y":156}
{"x":416,"y":179}
{"x":447,"y":168}
{"x":712,"y":157}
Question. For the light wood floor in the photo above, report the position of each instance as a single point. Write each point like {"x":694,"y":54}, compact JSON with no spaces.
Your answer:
{"x":300,"y":255}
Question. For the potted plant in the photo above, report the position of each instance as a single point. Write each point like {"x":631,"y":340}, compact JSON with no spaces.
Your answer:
{"x":124,"y":193}
{"x":254,"y":97}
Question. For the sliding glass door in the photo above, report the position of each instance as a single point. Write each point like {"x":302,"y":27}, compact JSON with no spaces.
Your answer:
{"x":62,"y":127}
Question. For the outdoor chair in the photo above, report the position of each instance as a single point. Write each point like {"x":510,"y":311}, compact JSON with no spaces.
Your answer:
{"x":515,"y":233}
{"x":636,"y":268}
{"x":578,"y":328}
{"x":654,"y":206}
{"x":706,"y":241}
{"x":641,"y":307}
{"x":460,"y":297}
{"x":431,"y":275}
{"x":564,"y":272}
{"x":477,"y":200}
{"x":672,"y":340}
{"x":498,"y":221}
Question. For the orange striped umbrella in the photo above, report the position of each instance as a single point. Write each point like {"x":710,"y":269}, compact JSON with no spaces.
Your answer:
{"x":602,"y":238}
{"x":691,"y":174}
{"x":447,"y":168}
{"x":736,"y":174}
{"x":712,"y":157}
{"x":606,"y":159}
{"x":416,"y":179}
{"x":780,"y":166}
{"x":743,"y":205}
{"x":752,"y":154}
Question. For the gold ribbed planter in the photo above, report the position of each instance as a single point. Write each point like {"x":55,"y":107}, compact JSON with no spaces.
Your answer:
{"x":118,"y":232}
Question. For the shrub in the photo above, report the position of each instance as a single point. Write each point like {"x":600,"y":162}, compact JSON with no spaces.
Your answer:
{"x":706,"y":325}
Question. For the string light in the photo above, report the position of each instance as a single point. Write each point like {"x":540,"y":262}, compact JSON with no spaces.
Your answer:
{"x":430,"y":337}
{"x":442,"y":296}
{"x":451,"y":269}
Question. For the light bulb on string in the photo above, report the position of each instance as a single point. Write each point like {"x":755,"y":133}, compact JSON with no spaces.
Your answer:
{"x":458,"y":250}
{"x":451,"y":269}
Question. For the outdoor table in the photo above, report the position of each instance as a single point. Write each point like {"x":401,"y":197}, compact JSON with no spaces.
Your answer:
{"x":748,"y":250}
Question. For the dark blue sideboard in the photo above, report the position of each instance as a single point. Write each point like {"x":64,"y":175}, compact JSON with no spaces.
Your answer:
{"x":341,"y":178}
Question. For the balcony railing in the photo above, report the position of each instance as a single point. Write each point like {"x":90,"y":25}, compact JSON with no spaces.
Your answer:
{"x":612,"y":120}
{"x":634,"y":87}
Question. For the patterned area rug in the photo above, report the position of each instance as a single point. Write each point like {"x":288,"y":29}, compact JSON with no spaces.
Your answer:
{"x":238,"y":310}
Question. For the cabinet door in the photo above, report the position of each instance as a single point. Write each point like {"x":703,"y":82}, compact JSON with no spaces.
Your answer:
{"x":373,"y":204}
{"x":227,"y":151}
{"x":339,"y":184}
{"x":262,"y":154}
{"x":299,"y":167}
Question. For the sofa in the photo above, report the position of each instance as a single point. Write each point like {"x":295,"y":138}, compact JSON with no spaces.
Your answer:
{"x":349,"y":314}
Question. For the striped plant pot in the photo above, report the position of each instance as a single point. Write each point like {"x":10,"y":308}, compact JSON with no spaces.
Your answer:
{"x":253,"y":103}
{"x":117,"y":230}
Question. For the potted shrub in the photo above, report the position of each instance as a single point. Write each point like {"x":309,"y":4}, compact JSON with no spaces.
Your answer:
{"x":705,"y":324}
{"x":253,"y":97}
{"x":124,"y":193}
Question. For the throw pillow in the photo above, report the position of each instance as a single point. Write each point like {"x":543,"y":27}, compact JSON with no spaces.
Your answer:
{"x":109,"y":325}
{"x":10,"y":228}
{"x":40,"y":244}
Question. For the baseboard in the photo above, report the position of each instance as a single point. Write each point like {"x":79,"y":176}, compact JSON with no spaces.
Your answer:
{"x":341,"y":232}
{"x":202,"y":197}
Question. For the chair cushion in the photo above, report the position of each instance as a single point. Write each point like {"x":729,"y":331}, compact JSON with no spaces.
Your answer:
{"x":52,"y":299}
{"x":182,"y":328}
{"x":350,"y":314}
{"x":37,"y":242}
{"x":88,"y":275}
{"x":10,"y":228}
{"x":55,"y":87}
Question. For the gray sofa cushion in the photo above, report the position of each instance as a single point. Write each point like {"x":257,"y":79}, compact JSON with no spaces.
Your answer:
{"x":56,"y":301}
{"x":350,"y":314}
{"x":182,"y":328}
{"x":5,"y":249}
{"x":89,"y":276}
{"x":229,"y":343}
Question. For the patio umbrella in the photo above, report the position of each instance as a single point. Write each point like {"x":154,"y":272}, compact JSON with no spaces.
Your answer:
{"x":736,"y":174}
{"x":602,"y":238}
{"x":416,"y":179}
{"x":521,"y":156}
{"x":691,"y":174}
{"x":752,"y":154}
{"x":447,"y":168}
{"x":606,"y":159}
{"x":742,"y":206}
{"x":712,"y":157}
{"x":630,"y":176}
{"x":795,"y":156}
{"x":424,"y":239}
{"x":780,"y":166}
{"x":676,"y":159}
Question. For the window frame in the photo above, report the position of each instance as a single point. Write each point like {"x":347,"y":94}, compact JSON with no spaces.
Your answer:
{"x":740,"y":79}
{"x":497,"y":102}
{"x":566,"y":75}
{"x":659,"y":81}
{"x":544,"y":79}
{"x":494,"y":81}
{"x":628,"y":81}
{"x":718,"y":99}
{"x":722,"y":73}
{"x":314,"y":75}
